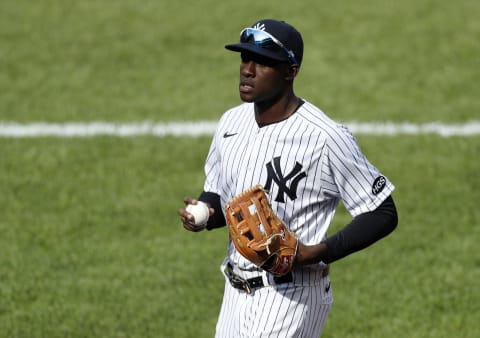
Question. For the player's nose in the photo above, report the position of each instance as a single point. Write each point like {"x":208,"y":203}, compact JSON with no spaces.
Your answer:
{"x":247,"y":68}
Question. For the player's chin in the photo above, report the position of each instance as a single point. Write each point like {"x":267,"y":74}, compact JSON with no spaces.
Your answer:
{"x":247,"y":97}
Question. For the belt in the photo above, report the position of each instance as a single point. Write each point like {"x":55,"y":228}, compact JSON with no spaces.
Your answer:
{"x":252,"y":283}
{"x":257,"y":282}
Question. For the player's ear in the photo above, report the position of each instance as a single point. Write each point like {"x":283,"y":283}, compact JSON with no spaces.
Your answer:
{"x":291,"y":72}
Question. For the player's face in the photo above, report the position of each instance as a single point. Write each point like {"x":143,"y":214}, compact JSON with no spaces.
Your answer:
{"x":261,"y":79}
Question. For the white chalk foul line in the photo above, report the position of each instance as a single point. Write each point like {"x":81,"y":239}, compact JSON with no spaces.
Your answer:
{"x":89,"y":129}
{"x":203,"y":128}
{"x":471,"y":128}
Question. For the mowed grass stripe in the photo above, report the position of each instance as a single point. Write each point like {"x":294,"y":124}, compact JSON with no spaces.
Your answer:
{"x":201,"y":128}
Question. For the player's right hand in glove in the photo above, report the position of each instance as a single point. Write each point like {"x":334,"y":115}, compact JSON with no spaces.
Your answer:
{"x":259,"y":234}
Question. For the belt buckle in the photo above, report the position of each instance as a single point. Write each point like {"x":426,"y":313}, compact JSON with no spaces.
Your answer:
{"x":237,"y":281}
{"x":242,"y":283}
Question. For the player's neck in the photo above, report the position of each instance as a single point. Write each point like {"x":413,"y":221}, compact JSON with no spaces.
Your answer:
{"x":270,"y":112}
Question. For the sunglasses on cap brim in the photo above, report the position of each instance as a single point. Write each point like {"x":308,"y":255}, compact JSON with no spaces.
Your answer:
{"x":266,"y":41}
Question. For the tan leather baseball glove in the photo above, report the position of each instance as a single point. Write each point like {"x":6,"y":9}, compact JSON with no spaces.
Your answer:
{"x":259,"y":234}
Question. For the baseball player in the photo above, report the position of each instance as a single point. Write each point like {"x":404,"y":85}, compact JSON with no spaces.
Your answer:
{"x":308,"y":163}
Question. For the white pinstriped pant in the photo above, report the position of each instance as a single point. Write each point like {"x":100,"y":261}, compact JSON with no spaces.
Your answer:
{"x":285,"y":310}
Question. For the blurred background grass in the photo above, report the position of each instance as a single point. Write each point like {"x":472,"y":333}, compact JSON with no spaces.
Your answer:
{"x":89,"y":238}
{"x":120,"y":60}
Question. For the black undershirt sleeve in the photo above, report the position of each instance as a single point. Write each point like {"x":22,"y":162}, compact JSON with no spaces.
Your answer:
{"x":364,"y":230}
{"x":217,"y":220}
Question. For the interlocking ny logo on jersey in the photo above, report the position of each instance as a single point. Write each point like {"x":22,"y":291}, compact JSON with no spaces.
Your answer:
{"x":274,"y":172}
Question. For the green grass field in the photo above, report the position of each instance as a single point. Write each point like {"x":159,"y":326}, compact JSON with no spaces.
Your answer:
{"x":90,"y":241}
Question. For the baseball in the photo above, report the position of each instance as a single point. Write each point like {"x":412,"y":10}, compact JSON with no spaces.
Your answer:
{"x":200,"y":212}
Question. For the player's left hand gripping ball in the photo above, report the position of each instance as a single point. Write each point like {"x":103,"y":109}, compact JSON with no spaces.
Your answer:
{"x":259,"y":234}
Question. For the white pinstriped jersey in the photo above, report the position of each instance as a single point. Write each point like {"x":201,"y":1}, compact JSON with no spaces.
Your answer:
{"x":307,"y":162}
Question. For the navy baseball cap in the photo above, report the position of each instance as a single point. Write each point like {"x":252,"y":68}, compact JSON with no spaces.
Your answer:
{"x":273,"y":39}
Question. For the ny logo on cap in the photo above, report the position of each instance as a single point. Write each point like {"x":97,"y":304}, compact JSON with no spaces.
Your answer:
{"x":260,"y":26}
